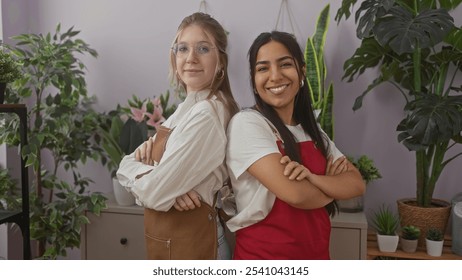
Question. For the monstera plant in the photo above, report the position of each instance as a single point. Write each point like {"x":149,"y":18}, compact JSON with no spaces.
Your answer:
{"x":415,"y":46}
{"x":418,"y":49}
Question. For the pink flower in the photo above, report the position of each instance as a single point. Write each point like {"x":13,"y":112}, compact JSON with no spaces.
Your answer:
{"x":138,"y":114}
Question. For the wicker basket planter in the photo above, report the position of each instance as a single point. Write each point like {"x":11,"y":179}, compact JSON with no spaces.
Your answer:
{"x":424,"y":218}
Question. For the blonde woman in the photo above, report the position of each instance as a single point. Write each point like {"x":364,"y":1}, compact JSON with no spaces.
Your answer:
{"x":192,"y":168}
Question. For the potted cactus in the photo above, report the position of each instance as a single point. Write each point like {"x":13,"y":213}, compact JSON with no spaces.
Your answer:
{"x":409,"y":238}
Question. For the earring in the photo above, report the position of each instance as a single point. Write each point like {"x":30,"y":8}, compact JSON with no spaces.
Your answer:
{"x":220,"y":74}
{"x":302,"y":83}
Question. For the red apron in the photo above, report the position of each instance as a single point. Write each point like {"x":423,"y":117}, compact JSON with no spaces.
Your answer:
{"x":288,"y":232}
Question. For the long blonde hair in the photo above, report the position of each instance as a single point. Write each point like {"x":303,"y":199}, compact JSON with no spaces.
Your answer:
{"x":220,"y":82}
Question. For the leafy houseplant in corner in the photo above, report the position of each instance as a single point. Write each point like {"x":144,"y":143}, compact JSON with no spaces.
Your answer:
{"x":62,"y":126}
{"x":386,"y":223}
{"x":9,"y":71}
{"x":408,"y":238}
{"x":434,"y":242}
{"x":416,"y":47}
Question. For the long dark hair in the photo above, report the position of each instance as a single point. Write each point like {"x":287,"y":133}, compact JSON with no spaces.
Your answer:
{"x":303,"y":111}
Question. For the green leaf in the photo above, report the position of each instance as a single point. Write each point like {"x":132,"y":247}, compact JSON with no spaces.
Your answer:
{"x":368,"y":55}
{"x":372,"y":9}
{"x":344,"y":10}
{"x":454,"y":38}
{"x":403,"y":32}
{"x":431,"y":120}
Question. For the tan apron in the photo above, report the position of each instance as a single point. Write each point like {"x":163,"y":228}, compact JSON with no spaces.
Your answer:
{"x":179,"y":235}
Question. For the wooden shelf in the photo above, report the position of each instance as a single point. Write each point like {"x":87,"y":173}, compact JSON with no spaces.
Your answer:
{"x":420,"y":254}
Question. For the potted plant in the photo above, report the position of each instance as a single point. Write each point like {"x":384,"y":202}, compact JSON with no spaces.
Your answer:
{"x":370,"y":173}
{"x":408,"y":238}
{"x":416,"y":47}
{"x":125,"y":128}
{"x":9,"y":71}
{"x":62,"y":125}
{"x":434,"y":242}
{"x":386,"y":223}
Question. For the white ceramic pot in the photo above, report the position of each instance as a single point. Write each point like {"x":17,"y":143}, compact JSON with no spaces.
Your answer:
{"x":387,"y":243}
{"x":434,"y":248}
{"x":121,"y":195}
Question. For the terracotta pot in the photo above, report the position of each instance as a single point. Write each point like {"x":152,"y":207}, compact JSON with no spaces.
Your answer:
{"x":424,"y":218}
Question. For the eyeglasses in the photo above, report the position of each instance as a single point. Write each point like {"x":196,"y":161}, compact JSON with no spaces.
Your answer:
{"x":201,"y":49}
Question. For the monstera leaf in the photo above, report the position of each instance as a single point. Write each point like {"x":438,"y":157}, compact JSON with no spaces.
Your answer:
{"x":431,"y":120}
{"x":404,"y":32}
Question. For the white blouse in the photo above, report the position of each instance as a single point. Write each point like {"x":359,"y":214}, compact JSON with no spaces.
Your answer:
{"x":250,"y":138}
{"x":194,"y":158}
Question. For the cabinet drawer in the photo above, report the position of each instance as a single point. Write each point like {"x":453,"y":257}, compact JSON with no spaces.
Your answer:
{"x":114,"y":236}
{"x":345,"y":244}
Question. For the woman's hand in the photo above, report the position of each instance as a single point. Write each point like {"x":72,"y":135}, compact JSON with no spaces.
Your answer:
{"x":144,"y":152}
{"x":294,"y":170}
{"x":188,"y":201}
{"x":338,"y":167}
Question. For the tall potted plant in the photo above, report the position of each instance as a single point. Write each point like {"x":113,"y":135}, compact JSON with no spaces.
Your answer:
{"x":417,"y":48}
{"x":62,"y":125}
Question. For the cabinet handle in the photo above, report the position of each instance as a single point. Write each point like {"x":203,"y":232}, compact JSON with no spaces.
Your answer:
{"x":123,"y":241}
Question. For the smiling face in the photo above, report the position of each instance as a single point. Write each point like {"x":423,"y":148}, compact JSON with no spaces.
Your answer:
{"x":196,"y":58}
{"x":276,"y":79}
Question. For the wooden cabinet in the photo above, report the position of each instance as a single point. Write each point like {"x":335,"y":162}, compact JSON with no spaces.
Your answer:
{"x":348,"y":238}
{"x":117,"y":234}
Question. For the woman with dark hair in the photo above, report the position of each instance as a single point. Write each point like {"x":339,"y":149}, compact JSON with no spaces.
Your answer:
{"x":285,"y":171}
{"x":183,"y":166}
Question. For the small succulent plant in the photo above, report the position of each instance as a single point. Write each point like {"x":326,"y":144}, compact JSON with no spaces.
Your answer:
{"x":410,"y":232}
{"x":434,"y":234}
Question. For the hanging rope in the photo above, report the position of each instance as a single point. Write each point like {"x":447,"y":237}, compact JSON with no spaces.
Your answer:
{"x":284,"y":7}
{"x":203,"y":7}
